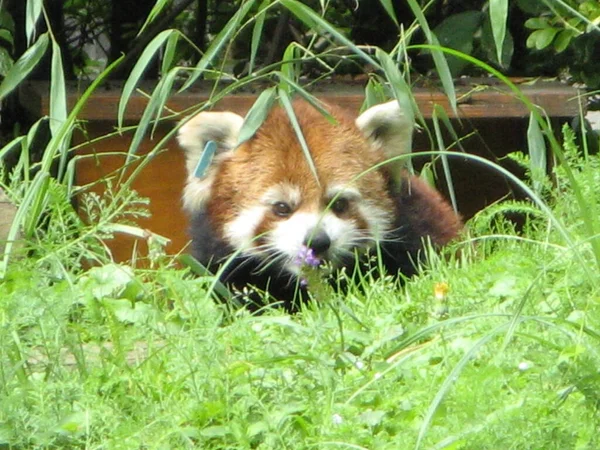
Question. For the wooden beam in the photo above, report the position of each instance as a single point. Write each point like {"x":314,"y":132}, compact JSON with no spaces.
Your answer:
{"x":480,"y":99}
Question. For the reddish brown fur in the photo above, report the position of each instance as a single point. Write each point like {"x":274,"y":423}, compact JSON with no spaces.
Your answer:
{"x":274,"y":155}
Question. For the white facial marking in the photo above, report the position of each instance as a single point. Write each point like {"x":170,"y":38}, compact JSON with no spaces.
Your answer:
{"x":240,"y":232}
{"x":283,"y":192}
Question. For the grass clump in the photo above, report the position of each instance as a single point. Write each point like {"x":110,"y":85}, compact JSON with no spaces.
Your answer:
{"x":496,"y":348}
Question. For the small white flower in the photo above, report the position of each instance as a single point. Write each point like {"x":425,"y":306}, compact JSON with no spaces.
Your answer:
{"x":337,"y":419}
{"x":359,"y":365}
{"x":257,"y":327}
{"x":524,"y":365}
{"x":377,"y":375}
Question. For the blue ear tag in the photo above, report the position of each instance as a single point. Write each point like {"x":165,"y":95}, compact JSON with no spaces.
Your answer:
{"x":205,"y":159}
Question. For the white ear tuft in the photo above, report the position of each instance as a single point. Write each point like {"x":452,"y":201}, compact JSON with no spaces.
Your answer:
{"x":389,"y":128}
{"x":221,"y":127}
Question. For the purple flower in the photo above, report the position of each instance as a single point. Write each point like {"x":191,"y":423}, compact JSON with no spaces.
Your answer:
{"x":306,"y":256}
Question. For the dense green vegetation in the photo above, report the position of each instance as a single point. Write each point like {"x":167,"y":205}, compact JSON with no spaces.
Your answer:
{"x":493,"y":345}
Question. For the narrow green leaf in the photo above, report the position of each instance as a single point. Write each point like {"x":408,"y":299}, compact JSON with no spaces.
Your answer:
{"x":438,"y":56}
{"x":399,"y":86}
{"x":154,"y":13}
{"x":498,"y":19}
{"x":158,"y":98}
{"x":441,"y":146}
{"x":285,"y":101}
{"x":318,"y":24}
{"x":32,"y":15}
{"x":389,"y":9}
{"x":138,"y":70}
{"x":315,"y":102}
{"x":224,"y":37}
{"x":374,"y":94}
{"x":170,"y":52}
{"x":58,"y":104}
{"x":25,"y":210}
{"x":24,"y":65}
{"x":537,"y":152}
{"x":257,"y":114}
{"x":289,"y":69}
{"x":259,"y":22}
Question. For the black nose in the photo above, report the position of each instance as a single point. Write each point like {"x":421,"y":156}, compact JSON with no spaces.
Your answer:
{"x":318,"y":241}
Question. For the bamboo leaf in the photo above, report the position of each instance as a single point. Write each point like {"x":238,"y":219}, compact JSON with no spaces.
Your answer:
{"x":218,"y":43}
{"x":285,"y":101}
{"x":498,"y":18}
{"x":169,"y":53}
{"x":399,"y":86}
{"x":32,"y":15}
{"x":24,"y":65}
{"x":259,"y":21}
{"x":318,"y":24}
{"x":58,"y":105}
{"x":438,"y":56}
{"x":537,"y":153}
{"x":444,"y":158}
{"x":257,"y":114}
{"x":154,"y":13}
{"x":138,"y":70}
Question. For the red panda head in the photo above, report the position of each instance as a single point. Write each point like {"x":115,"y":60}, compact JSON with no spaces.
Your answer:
{"x":264,"y":199}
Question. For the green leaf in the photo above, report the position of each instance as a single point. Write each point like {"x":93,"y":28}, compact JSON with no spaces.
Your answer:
{"x":169,"y":53}
{"x":498,"y":18}
{"x":543,"y":38}
{"x":136,"y":73}
{"x":257,"y":114}
{"x":6,"y":62}
{"x":389,"y":9}
{"x":285,"y":101}
{"x":399,"y":86}
{"x":489,"y":46}
{"x":224,"y":37}
{"x":32,"y":14}
{"x":58,"y":105}
{"x":537,"y":23}
{"x":439,"y":59}
{"x":537,"y":152}
{"x":458,"y":32}
{"x":7,"y":36}
{"x":563,"y":39}
{"x":259,"y":21}
{"x":318,"y":24}
{"x":24,"y":65}
{"x":154,"y":13}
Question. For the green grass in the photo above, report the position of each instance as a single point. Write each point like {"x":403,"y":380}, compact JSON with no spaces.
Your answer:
{"x":504,"y":356}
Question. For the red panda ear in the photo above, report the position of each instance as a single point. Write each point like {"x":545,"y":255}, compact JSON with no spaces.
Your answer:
{"x":223,"y":129}
{"x":389,"y":129}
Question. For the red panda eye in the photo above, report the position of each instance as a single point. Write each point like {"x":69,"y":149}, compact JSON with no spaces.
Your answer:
{"x":282,"y":209}
{"x":340,"y":205}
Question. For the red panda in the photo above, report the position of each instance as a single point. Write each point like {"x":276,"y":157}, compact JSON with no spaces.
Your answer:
{"x":263,"y":202}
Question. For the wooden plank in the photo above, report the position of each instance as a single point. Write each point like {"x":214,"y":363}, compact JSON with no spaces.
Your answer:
{"x":480,"y":99}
